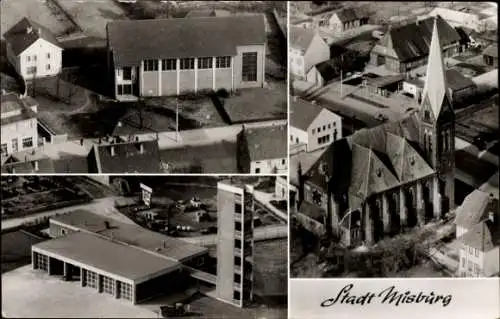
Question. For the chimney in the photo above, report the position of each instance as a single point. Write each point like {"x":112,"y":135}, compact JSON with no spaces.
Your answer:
{"x":112,"y":150}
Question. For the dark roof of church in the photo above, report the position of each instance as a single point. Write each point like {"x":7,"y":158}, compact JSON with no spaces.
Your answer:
{"x":372,"y":160}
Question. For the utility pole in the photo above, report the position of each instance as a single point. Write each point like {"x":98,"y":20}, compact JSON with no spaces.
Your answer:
{"x":177,"y":119}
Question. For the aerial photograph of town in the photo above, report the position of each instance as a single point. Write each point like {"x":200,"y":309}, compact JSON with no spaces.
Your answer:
{"x":148,"y":247}
{"x":116,"y":86}
{"x":393,"y":139}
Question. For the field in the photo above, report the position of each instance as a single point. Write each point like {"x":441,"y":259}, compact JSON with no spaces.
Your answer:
{"x":92,"y":16}
{"x":14,"y":10}
{"x":257,"y":104}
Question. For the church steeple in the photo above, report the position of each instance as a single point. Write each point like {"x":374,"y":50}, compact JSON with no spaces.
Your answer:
{"x":435,"y":93}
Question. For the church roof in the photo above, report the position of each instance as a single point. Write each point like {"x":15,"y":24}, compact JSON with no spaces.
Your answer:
{"x":436,"y":88}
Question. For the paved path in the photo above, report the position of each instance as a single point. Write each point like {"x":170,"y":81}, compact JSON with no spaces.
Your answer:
{"x":102,"y":206}
{"x":260,"y":233}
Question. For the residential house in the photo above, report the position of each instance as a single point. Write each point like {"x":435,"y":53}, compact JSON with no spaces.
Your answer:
{"x":186,"y":55}
{"x":263,"y":150}
{"x":490,"y":55}
{"x":306,"y":50}
{"x":33,"y":50}
{"x":313,"y":126}
{"x":19,"y":124}
{"x":125,"y":157}
{"x":460,"y":87}
{"x":343,"y":20}
{"x":398,"y":175}
{"x":406,"y":47}
{"x":480,"y":249}
{"x":476,"y":208}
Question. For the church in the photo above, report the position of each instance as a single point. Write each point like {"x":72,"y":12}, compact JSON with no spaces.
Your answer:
{"x":396,"y":176}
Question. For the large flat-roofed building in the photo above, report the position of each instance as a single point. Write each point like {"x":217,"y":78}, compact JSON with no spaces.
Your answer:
{"x":123,"y":260}
{"x":175,"y":56}
{"x":235,"y":244}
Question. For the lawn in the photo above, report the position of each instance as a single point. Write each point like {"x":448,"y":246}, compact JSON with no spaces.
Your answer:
{"x":40,"y":11}
{"x":257,"y":104}
{"x":92,"y":16}
{"x":215,"y":158}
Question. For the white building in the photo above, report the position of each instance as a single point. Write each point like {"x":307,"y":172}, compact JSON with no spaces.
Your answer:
{"x":478,"y":233}
{"x":263,"y":150}
{"x":33,"y":50}
{"x":477,"y":21}
{"x":19,"y":124}
{"x":312,"y":126}
{"x":306,"y":50}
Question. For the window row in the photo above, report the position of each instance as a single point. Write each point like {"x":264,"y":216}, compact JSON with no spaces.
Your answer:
{"x":42,"y":262}
{"x":91,"y":279}
{"x":472,"y":267}
{"x":108,"y":285}
{"x":329,"y":126}
{"x":187,"y":64}
{"x":472,"y":251}
{"x":126,"y":291}
{"x":30,"y":58}
{"x":324,"y":139}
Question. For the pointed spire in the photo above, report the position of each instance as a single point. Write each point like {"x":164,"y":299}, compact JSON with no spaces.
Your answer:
{"x":436,"y":87}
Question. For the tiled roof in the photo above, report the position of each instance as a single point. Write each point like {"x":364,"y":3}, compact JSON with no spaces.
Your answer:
{"x":134,"y":40}
{"x":20,"y":39}
{"x":267,"y":142}
{"x":128,"y":158}
{"x":301,"y":38}
{"x":484,"y":236}
{"x":303,"y":113}
{"x":413,"y":41}
{"x":474,"y":209}
{"x":457,"y":81}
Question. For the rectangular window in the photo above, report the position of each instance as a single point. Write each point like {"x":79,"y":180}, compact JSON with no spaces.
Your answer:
{"x":120,"y":89}
{"x":470,"y":251}
{"x":237,"y":260}
{"x":27,"y":142}
{"x":236,"y":295}
{"x":249,"y":67}
{"x":125,"y":291}
{"x":169,"y":64}
{"x":257,"y":170}
{"x":222,"y":62}
{"x":237,"y":243}
{"x":314,"y":130}
{"x":237,"y":208}
{"x":4,"y":149}
{"x":469,"y":265}
{"x":91,"y":279}
{"x":28,"y":58}
{"x":108,"y":285}
{"x":14,"y":145}
{"x":283,"y":162}
{"x":237,"y":278}
{"x":47,"y":67}
{"x":329,"y":126}
{"x":42,"y":262}
{"x":463,"y":262}
{"x":187,"y":64}
{"x":477,"y":252}
{"x":204,"y":63}
{"x":34,"y":58}
{"x":237,"y":226}
{"x":127,"y":73}
{"x":150,"y":65}
{"x":48,"y":55}
{"x":31,"y":70}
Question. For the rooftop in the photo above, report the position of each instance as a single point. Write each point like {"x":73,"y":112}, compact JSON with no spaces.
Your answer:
{"x":132,"y":40}
{"x":24,"y":33}
{"x":303,"y":113}
{"x":267,"y":142}
{"x":301,"y":38}
{"x":475,"y":208}
{"x":172,"y":248}
{"x":128,"y":157}
{"x":457,"y":81}
{"x":106,"y":255}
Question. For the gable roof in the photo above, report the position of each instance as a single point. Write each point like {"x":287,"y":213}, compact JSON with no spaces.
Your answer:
{"x":303,"y":113}
{"x":266,"y":142}
{"x":20,"y":39}
{"x":132,"y":41}
{"x":484,"y":236}
{"x":301,"y":38}
{"x":412,"y":41}
{"x":373,"y":160}
{"x":457,"y":81}
{"x":474,"y":209}
{"x":128,"y":158}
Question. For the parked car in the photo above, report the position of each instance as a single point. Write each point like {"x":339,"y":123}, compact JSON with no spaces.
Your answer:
{"x":179,"y":310}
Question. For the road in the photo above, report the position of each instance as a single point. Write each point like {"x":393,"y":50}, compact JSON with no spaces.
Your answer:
{"x":260,"y":233}
{"x":102,"y":206}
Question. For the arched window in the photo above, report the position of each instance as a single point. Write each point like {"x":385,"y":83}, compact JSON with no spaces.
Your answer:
{"x":446,"y":141}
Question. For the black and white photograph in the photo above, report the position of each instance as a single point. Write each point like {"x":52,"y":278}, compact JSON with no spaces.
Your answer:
{"x":393,"y":139}
{"x":114,"y":86}
{"x":144,"y":247}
